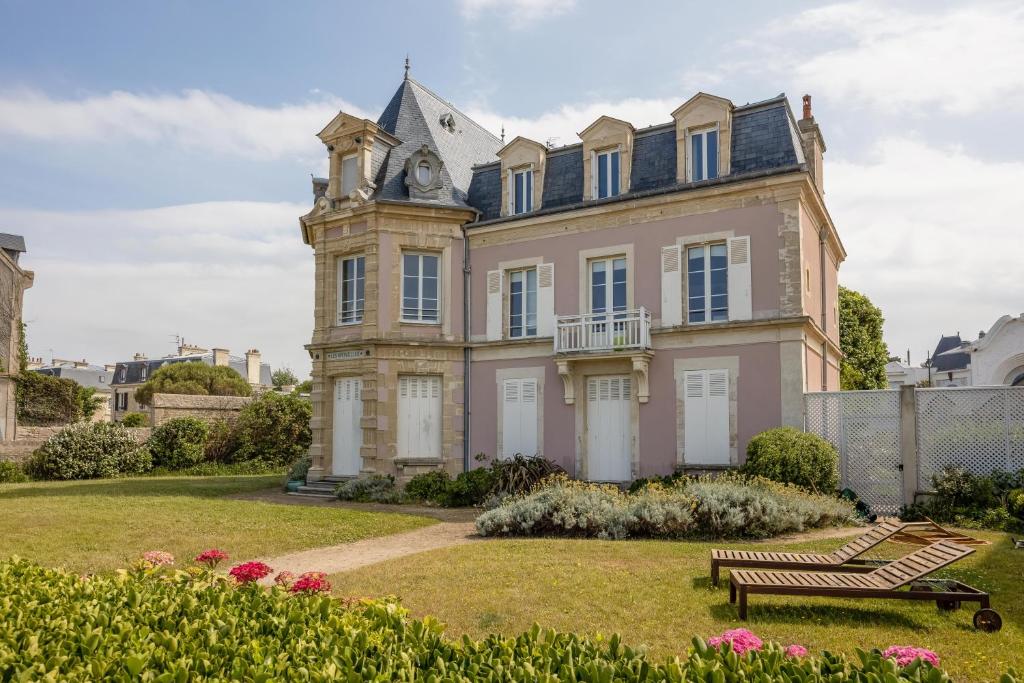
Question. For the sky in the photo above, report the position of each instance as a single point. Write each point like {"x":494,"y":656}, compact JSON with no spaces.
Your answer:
{"x":157,"y":156}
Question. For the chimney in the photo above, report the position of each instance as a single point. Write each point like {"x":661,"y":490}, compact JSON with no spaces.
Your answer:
{"x":139,"y":356}
{"x":813,"y":145}
{"x":252,"y":365}
{"x":185,"y":349}
{"x":220,"y":357}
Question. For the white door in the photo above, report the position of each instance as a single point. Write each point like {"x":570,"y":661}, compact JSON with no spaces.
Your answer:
{"x":419,"y":416}
{"x":706,"y":417}
{"x":609,"y":428}
{"x":519,"y":417}
{"x":348,"y":435}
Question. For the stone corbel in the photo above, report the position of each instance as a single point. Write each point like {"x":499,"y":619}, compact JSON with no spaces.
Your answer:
{"x":641,"y":370}
{"x":568,"y":387}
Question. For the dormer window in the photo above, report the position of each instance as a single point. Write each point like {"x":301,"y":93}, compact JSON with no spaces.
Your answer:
{"x":521,"y":192}
{"x":606,"y":179}
{"x":349,"y":174}
{"x":423,"y":173}
{"x":704,"y":154}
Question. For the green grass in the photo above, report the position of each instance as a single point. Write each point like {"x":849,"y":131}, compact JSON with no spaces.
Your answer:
{"x":100,"y":525}
{"x":658,"y":594}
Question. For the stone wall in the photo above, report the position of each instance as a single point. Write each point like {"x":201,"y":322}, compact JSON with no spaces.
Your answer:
{"x":168,"y":406}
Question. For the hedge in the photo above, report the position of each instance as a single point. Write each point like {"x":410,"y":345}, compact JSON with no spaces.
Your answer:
{"x":43,"y":400}
{"x":161,"y":625}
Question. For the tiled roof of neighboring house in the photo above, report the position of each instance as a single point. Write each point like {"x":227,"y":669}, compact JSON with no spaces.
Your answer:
{"x":94,"y":376}
{"x":414,"y":116}
{"x":765,"y":139}
{"x":133,"y":369}
{"x":945,"y":362}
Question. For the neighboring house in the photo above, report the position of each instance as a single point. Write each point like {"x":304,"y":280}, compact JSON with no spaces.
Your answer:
{"x":950,"y":364}
{"x":130,"y":375}
{"x":997,"y":357}
{"x":640,"y":302}
{"x":14,"y":280}
{"x":96,"y":376}
{"x":899,"y":374}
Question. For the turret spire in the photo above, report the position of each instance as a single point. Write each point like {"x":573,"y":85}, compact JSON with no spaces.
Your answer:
{"x":407,"y":66}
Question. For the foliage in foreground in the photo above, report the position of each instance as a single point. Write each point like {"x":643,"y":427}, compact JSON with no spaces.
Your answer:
{"x":89,"y":451}
{"x":728,"y":506}
{"x":794,"y":457}
{"x":11,"y":473}
{"x":193,"y":624}
{"x":487,"y":485}
{"x":44,"y":400}
{"x":195,"y":378}
{"x":994,"y":501}
{"x":273,"y":429}
{"x":135,"y":419}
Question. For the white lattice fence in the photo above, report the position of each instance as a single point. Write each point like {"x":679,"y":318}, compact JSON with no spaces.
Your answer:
{"x":980,"y":429}
{"x":864,"y":426}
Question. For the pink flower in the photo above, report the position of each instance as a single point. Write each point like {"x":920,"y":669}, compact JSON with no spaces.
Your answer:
{"x":905,"y":654}
{"x":158,"y":558}
{"x":741,"y":640}
{"x":796,"y":651}
{"x":249,"y":572}
{"x":311,"y":582}
{"x":211,"y":558}
{"x":284,"y":579}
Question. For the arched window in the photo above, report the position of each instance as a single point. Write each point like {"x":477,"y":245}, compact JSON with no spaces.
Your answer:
{"x":423,"y":173}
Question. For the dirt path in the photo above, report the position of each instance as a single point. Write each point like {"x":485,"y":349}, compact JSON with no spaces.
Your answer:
{"x":349,"y":556}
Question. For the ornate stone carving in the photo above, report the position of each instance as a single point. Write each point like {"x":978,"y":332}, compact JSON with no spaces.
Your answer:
{"x":565,"y":372}
{"x":423,"y":174}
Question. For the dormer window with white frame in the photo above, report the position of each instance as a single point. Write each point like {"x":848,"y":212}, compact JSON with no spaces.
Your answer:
{"x":605,"y":176}
{"x":349,"y":174}
{"x":520,"y":191}
{"x":703,"y":156}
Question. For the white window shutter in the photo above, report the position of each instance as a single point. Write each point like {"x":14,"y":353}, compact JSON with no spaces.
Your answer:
{"x":510,"y":418}
{"x":494,"y":289}
{"x":338,"y":280}
{"x":718,"y":417}
{"x":546,"y":300}
{"x":671,"y":287}
{"x":695,"y":416}
{"x":740,"y":304}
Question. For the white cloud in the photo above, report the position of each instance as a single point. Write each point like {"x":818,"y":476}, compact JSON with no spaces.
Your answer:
{"x":932,"y":235}
{"x":520,"y":13}
{"x":194,"y":119}
{"x":110,"y":283}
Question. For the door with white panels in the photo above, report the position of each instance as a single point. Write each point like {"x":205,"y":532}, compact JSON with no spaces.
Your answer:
{"x":346,"y":460}
{"x":419,"y":416}
{"x":519,"y":417}
{"x":609,"y":428}
{"x":706,"y":417}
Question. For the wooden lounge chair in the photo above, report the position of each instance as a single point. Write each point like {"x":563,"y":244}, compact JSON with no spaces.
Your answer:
{"x":928,"y":532}
{"x":844,"y":558}
{"x":883,"y":582}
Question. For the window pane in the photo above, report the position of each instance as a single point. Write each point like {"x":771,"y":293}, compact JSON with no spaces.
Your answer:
{"x":697,"y":156}
{"x":429,"y":288}
{"x":614,"y":173}
{"x":602,"y":175}
{"x":528,"y":182}
{"x":423,"y":173}
{"x":531,"y":302}
{"x":412,"y":264}
{"x":696,"y":316}
{"x":518,"y":192}
{"x":718,"y":282}
{"x":718,"y":255}
{"x":695,"y":284}
{"x":430,"y":266}
{"x":712,"y":139}
{"x":619,"y":284}
{"x":349,"y":172}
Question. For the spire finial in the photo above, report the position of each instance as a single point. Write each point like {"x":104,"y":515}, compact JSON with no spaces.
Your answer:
{"x":407,"y":66}
{"x":503,"y":133}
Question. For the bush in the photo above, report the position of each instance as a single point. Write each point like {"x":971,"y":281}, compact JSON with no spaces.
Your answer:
{"x":469,"y":488}
{"x":44,"y":400}
{"x":195,"y":378}
{"x":730,"y":506}
{"x":300,"y":469}
{"x":221,"y":441}
{"x":165,"y":625}
{"x":429,"y":486}
{"x":89,"y":451}
{"x":994,"y":501}
{"x":135,"y":420}
{"x":520,"y":473}
{"x":793,"y":457}
{"x":11,"y":473}
{"x":273,"y":429}
{"x":377,"y":488}
{"x":178,"y":443}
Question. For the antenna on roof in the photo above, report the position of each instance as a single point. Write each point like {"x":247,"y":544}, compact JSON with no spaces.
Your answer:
{"x":406,"y":66}
{"x":503,"y":133}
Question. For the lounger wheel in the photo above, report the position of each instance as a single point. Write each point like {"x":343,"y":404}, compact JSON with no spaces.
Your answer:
{"x":987,"y":620}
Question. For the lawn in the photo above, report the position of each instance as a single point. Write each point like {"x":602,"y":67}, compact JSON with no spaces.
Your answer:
{"x":91,"y":526}
{"x":657,"y":593}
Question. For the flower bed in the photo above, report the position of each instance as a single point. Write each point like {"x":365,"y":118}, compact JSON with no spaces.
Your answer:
{"x":161,"y":624}
{"x":729,"y":506}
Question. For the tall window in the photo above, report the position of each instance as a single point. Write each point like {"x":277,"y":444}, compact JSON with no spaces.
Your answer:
{"x":607,"y":174}
{"x":704,"y":154}
{"x":351,"y":289}
{"x":608,"y":285}
{"x":420,"y":288}
{"x":707,"y":271}
{"x":522,"y":303}
{"x":522,"y":191}
{"x":349,"y":173}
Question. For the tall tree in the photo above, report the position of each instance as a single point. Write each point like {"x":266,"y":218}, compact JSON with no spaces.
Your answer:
{"x":860,"y":337}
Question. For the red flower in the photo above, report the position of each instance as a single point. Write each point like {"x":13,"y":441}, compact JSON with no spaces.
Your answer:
{"x":311,"y":582}
{"x":248,"y":572}
{"x":211,"y":558}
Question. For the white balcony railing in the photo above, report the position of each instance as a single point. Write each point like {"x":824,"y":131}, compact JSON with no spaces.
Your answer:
{"x":603,"y":331}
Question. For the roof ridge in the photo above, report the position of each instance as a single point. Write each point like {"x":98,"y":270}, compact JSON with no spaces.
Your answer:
{"x":445,"y":102}
{"x":781,"y":97}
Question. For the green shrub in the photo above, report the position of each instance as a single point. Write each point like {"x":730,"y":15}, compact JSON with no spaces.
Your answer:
{"x":429,"y":486}
{"x":89,"y":451}
{"x":469,"y":488}
{"x":11,"y":473}
{"x":300,"y":469}
{"x":135,"y":420}
{"x":178,"y":443}
{"x":221,"y":441}
{"x":666,"y":480}
{"x":44,"y":400}
{"x":273,"y":429}
{"x":520,"y":474}
{"x":182,"y":627}
{"x":793,"y":457}
{"x":729,"y":506}
{"x":377,"y":488}
{"x":195,"y":378}
{"x":1015,"y":503}
{"x":993,"y":501}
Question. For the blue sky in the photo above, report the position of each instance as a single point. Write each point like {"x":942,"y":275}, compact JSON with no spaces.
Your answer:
{"x":156,"y":156}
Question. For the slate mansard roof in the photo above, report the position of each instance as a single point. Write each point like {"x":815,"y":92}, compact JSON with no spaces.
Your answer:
{"x":945,"y":358}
